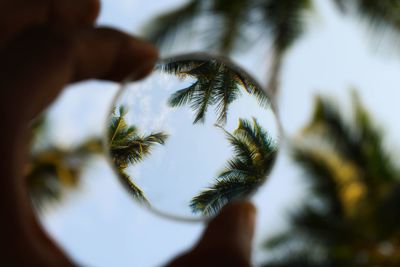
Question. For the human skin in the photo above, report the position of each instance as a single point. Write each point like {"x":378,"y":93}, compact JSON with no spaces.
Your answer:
{"x":44,"y":46}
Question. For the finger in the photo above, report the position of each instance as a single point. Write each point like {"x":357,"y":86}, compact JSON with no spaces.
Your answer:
{"x":36,"y":67}
{"x":226,"y":241}
{"x":73,"y":12}
{"x":233,"y":229}
{"x":108,"y":54}
{"x":18,"y":15}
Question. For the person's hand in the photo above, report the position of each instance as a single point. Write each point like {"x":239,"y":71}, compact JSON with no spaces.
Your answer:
{"x":45,"y":45}
{"x":226,"y":241}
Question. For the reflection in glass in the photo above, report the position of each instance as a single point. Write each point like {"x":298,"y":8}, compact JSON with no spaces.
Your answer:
{"x":215,"y":84}
{"x":193,"y":136}
{"x":253,"y":155}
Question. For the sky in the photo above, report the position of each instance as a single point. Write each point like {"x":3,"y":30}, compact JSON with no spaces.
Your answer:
{"x":99,"y":225}
{"x":193,"y":154}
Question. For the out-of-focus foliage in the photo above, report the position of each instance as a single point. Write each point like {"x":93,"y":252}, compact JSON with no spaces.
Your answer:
{"x":254,"y":154}
{"x":229,"y":22}
{"x":226,"y":25}
{"x":54,"y":170}
{"x":216,"y":85}
{"x":354,"y":216}
{"x":383,"y":13}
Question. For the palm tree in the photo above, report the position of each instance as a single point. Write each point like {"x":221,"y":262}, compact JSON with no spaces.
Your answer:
{"x":216,"y":84}
{"x":353,"y":217}
{"x":128,"y":147}
{"x":254,"y":154}
{"x":52,"y":170}
{"x":379,"y":14}
{"x":229,"y":21}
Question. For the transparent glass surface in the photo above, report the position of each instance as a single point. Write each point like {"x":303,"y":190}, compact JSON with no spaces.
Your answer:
{"x":194,"y":135}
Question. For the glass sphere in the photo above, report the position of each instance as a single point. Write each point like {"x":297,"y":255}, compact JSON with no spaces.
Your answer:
{"x":194,"y":135}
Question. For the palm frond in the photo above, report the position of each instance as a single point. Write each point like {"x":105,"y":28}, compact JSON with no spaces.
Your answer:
{"x":243,"y":174}
{"x":284,"y":19}
{"x":132,"y":188}
{"x":389,"y":213}
{"x":360,"y":141}
{"x":223,"y":191}
{"x":128,"y":147}
{"x":185,"y":67}
{"x":169,"y":25}
{"x":341,"y":4}
{"x":380,"y":13}
{"x":327,"y":115}
{"x":155,"y":138}
{"x":234,"y":15}
{"x":326,"y":229}
{"x":225,"y":94}
{"x":382,"y":17}
{"x":215,"y":84}
{"x":357,"y":144}
{"x":135,"y":149}
{"x":53,"y":171}
{"x":321,"y":177}
{"x":242,"y":151}
{"x":255,"y":137}
{"x":203,"y":98}
{"x":183,"y":96}
{"x":377,"y":162}
{"x":253,"y":89}
{"x":236,"y":169}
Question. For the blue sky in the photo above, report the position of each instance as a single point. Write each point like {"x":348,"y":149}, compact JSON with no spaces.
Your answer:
{"x":193,"y":155}
{"x":100,"y":225}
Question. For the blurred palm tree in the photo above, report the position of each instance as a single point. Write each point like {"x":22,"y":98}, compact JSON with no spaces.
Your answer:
{"x":384,"y":13}
{"x":353,"y":217}
{"x":235,"y":24}
{"x":216,"y":84}
{"x":128,"y":147}
{"x":53,"y":171}
{"x":229,"y":22}
{"x":254,"y":155}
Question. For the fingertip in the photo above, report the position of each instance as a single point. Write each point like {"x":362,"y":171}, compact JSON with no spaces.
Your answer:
{"x":238,"y":216}
{"x":233,"y":228}
{"x":135,"y":60}
{"x":145,"y":56}
{"x":74,"y":12}
{"x":93,"y":11}
{"x":108,"y":54}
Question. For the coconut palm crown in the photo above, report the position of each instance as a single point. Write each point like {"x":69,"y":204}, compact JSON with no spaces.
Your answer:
{"x":128,"y":147}
{"x":353,"y":213}
{"x":254,"y":154}
{"x":215,"y":84}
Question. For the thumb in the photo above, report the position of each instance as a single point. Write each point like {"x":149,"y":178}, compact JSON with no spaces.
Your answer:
{"x":226,"y":241}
